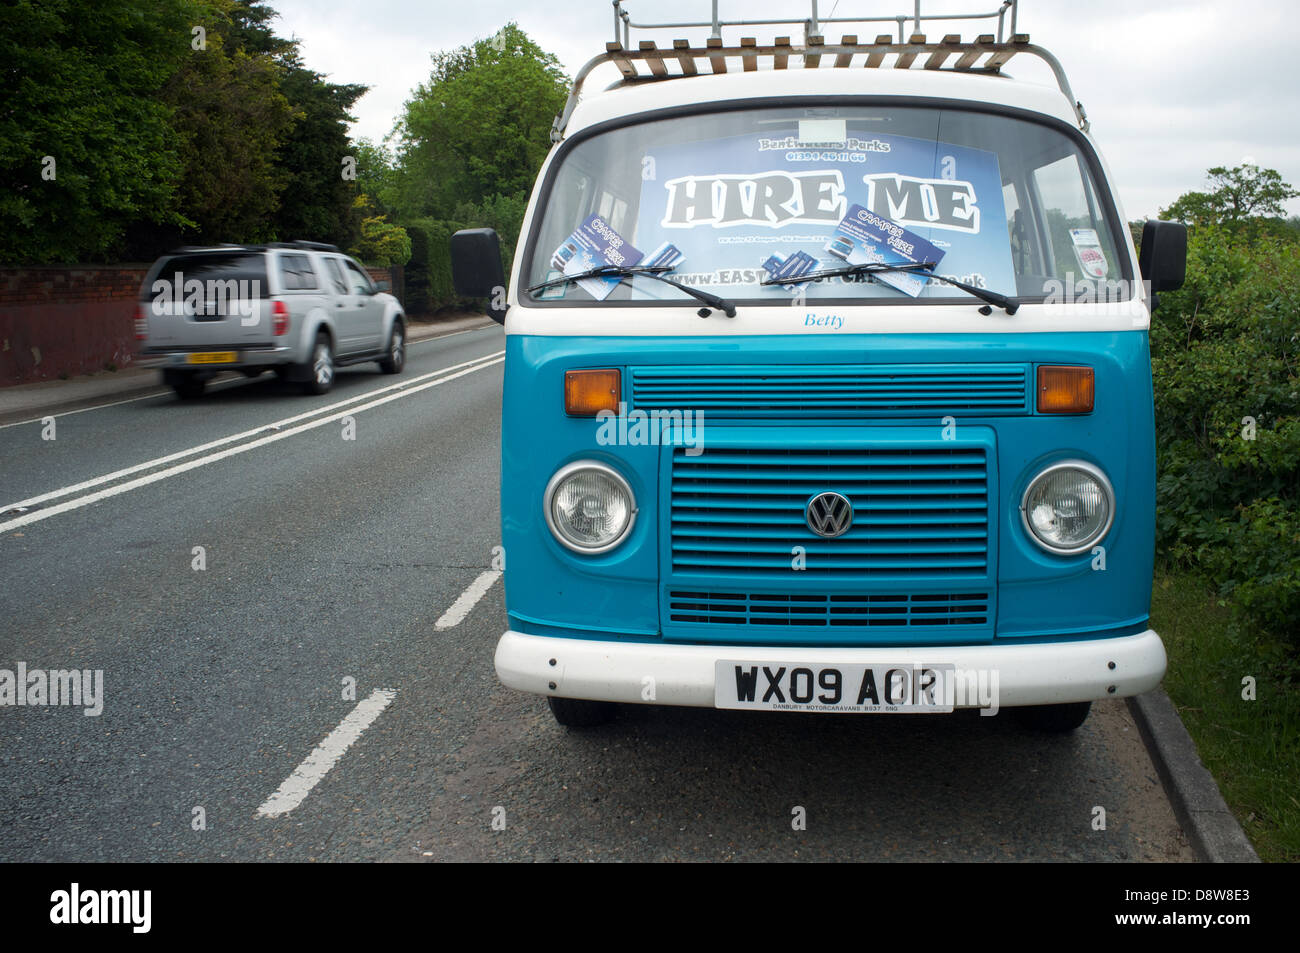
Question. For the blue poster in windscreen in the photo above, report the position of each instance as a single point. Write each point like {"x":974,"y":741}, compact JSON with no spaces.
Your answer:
{"x":738,"y":209}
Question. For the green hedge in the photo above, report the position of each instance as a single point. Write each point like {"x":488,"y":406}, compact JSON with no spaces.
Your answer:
{"x":428,"y":273}
{"x":1225,"y":348}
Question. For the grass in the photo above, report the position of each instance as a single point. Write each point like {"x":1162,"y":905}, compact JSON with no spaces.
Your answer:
{"x":1251,"y":747}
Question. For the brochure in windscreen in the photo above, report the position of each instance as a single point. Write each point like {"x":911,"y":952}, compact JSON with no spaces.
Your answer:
{"x":668,"y":255}
{"x":593,"y":244}
{"x":799,"y":263}
{"x":864,"y":237}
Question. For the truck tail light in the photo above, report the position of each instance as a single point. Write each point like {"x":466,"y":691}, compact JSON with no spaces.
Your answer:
{"x":1065,"y":389}
{"x":588,"y":392}
{"x":279,"y":318}
{"x":141,"y":323}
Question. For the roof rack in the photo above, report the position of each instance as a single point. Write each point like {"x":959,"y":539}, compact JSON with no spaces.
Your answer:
{"x":988,"y":53}
{"x":315,"y":246}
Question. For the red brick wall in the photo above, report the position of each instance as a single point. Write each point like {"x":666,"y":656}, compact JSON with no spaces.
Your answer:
{"x":70,"y":320}
{"x":66,"y":320}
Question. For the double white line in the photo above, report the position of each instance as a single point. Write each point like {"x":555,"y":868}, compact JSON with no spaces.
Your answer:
{"x":211,"y":453}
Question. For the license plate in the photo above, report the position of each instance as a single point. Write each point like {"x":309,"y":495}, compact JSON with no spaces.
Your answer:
{"x":870,"y":689}
{"x":214,"y":357}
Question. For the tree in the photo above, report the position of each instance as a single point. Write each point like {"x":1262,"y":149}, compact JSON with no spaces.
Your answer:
{"x":316,"y":160}
{"x":229,"y":118}
{"x":85,"y":140}
{"x":1236,"y":195}
{"x":381,"y":242}
{"x":480,"y":126}
{"x":376,"y":174}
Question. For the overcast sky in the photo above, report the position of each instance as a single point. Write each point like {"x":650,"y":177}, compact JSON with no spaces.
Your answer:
{"x":1166,"y":102}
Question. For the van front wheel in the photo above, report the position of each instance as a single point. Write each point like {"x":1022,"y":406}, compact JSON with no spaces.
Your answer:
{"x":579,"y":712}
{"x":1056,"y":719}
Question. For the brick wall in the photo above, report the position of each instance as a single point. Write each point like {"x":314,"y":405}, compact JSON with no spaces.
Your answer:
{"x":66,"y":320}
{"x":69,"y":320}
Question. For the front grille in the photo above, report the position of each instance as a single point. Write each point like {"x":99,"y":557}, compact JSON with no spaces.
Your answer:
{"x":686,"y":607}
{"x":918,"y":512}
{"x":849,"y":390}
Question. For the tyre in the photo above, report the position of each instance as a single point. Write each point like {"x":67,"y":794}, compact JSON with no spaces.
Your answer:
{"x":579,"y":712}
{"x":396,"y":358}
{"x":1055,"y":719}
{"x":187,"y":386}
{"x":320,"y":369}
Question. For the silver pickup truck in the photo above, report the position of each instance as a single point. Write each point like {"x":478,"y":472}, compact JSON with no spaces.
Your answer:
{"x":300,"y":309}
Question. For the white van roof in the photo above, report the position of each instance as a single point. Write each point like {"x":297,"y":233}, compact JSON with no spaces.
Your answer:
{"x":683,"y":72}
{"x":626,"y":99}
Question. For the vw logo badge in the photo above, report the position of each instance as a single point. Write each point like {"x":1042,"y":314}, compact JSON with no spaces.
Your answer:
{"x":829,"y":514}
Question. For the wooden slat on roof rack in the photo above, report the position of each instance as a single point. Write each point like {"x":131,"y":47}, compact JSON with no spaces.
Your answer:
{"x":813,"y":60}
{"x":971,"y":57}
{"x":779,"y":60}
{"x":844,"y":59}
{"x":717,"y":61}
{"x":938,"y":57}
{"x":653,"y":58}
{"x":875,"y":59}
{"x":999,"y":59}
{"x":686,"y":59}
{"x":615,"y":51}
{"x":907,"y":59}
{"x":749,"y":60}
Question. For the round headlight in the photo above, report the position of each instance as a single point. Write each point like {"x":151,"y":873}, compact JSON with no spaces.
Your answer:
{"x":589,"y":507}
{"x":1068,"y":507}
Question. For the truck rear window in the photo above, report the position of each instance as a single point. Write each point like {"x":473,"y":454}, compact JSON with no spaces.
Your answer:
{"x":246,"y":269}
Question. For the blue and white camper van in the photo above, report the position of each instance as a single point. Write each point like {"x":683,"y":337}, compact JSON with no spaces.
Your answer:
{"x":827,"y":383}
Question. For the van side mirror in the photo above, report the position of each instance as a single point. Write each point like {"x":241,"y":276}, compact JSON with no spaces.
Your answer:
{"x":383,"y":285}
{"x":1163,"y":256}
{"x":476,"y":269}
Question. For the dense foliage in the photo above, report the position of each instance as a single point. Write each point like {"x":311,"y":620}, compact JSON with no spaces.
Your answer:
{"x":129,"y":128}
{"x":1225,"y":355}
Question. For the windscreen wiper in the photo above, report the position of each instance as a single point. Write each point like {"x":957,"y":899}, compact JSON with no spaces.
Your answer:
{"x":1008,"y":304}
{"x":651,"y":271}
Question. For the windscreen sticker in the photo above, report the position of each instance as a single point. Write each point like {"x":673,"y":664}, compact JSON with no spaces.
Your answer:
{"x":864,"y":236}
{"x":594,"y":244}
{"x":732,"y":204}
{"x":1087,"y":249}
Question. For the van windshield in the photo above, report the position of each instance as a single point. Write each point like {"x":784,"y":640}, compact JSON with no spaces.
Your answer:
{"x":737,"y":202}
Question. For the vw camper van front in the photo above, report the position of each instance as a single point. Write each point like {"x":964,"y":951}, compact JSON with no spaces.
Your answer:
{"x":827,"y":389}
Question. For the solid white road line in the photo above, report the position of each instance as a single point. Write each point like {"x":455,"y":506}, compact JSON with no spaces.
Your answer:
{"x":475,"y":591}
{"x":221,"y":384}
{"x":233,"y":438}
{"x":80,"y":501}
{"x":325,"y":755}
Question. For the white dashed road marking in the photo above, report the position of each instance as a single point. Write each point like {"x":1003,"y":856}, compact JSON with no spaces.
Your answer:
{"x":325,"y":755}
{"x":467,"y":600}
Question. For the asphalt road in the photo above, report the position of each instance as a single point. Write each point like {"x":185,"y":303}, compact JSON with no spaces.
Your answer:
{"x":330,"y":559}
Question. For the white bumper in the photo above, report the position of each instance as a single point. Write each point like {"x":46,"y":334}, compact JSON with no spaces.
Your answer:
{"x":1035,"y":674}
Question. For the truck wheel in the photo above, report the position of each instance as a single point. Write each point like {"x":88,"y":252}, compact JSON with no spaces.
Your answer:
{"x":320,"y":369}
{"x":187,"y":386}
{"x":1056,"y":719}
{"x":396,"y":357}
{"x":579,"y":712}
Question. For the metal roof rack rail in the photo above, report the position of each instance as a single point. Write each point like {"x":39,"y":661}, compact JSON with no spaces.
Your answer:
{"x":684,"y":60}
